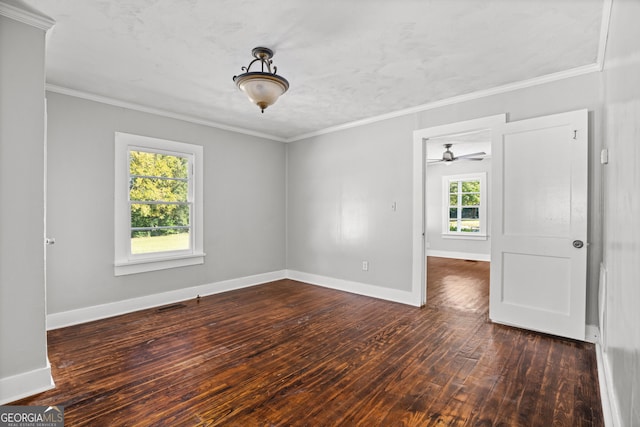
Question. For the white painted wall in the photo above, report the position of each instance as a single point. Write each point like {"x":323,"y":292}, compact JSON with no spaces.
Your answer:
{"x":352,"y":176}
{"x":23,"y":352}
{"x":244,"y":205}
{"x":455,"y":248}
{"x":621,"y":332}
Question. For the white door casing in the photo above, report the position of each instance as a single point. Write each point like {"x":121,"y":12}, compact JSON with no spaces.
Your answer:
{"x":420,"y":136}
{"x":539,"y":211}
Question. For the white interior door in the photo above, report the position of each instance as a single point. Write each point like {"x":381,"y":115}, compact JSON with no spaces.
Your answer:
{"x":539,"y":224}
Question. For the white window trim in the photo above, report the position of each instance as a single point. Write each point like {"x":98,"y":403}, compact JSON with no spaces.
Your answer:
{"x":446,"y":233}
{"x":124,"y":262}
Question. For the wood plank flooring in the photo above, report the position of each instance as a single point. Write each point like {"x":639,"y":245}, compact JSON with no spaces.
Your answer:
{"x":292,"y":354}
{"x":458,"y":284}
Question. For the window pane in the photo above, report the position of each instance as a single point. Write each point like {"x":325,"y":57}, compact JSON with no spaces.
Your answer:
{"x":471,"y":199}
{"x":159,"y":215}
{"x":154,"y":164}
{"x":470,"y":213}
{"x":160,"y":241}
{"x":464,"y":202}
{"x":470,"y":186}
{"x":470,"y":226}
{"x":155,"y":189}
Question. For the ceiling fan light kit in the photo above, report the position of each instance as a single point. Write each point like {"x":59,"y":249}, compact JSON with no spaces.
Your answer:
{"x":263,"y":87}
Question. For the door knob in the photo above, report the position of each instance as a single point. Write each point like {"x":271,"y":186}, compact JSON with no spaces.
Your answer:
{"x":578,"y":244}
{"x":50,"y":241}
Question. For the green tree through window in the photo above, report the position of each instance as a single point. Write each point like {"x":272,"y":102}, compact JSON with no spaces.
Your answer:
{"x":159,"y":201}
{"x":464,"y":206}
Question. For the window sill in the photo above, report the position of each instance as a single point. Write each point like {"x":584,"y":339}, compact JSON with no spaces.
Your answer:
{"x":466,"y":236}
{"x":122,"y":268}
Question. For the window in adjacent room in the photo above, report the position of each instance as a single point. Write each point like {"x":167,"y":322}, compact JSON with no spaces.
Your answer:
{"x":464,"y":205}
{"x":158,"y":204}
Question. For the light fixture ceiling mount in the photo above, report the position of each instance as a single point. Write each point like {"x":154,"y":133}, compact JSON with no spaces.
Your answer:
{"x":263,"y":87}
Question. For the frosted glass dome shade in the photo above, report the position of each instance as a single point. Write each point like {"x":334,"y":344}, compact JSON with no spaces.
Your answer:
{"x":263,"y":89}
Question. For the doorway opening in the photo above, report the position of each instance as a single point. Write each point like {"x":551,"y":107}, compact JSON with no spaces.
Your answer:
{"x":538,"y":218}
{"x":452,"y":173}
{"x":457,"y":196}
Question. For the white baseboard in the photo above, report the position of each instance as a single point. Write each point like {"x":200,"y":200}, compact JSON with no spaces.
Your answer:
{"x":102,"y":311}
{"x":592,"y":334}
{"x":395,"y":295}
{"x":610,"y":410}
{"x":459,"y":255}
{"x":26,"y":384}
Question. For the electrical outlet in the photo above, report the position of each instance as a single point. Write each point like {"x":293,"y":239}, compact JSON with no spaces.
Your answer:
{"x":365,"y":265}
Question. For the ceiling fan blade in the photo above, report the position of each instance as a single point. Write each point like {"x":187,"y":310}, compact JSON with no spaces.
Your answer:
{"x":434,"y":160}
{"x":470,"y":158}
{"x":465,"y":156}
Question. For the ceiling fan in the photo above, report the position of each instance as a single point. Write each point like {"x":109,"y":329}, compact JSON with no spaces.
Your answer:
{"x":448,"y":156}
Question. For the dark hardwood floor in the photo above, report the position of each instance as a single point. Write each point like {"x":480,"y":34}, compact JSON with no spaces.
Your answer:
{"x":287,"y":353}
{"x":458,"y":284}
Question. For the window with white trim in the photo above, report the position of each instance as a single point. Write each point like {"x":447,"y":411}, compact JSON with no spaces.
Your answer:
{"x":464,"y":203}
{"x":158,"y":204}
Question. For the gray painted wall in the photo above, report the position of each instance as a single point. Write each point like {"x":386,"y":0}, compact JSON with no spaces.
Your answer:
{"x":244,"y":206}
{"x":433,"y":190}
{"x":341,"y":188}
{"x":621,"y":332}
{"x":22,"y":286}
{"x":361,"y":171}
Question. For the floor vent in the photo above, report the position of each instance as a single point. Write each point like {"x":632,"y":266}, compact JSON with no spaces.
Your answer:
{"x":170,"y":307}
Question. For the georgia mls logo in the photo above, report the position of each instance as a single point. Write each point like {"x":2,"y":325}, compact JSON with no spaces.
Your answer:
{"x":31,"y":416}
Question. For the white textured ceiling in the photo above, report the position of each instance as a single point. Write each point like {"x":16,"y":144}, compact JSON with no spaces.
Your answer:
{"x":346,"y":60}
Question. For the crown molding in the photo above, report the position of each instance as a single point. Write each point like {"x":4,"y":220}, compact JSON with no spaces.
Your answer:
{"x":164,"y":113}
{"x":604,"y":32}
{"x":22,"y":12}
{"x":574,"y":72}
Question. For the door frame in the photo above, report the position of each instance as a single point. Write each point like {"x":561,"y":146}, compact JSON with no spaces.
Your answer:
{"x":420,"y":136}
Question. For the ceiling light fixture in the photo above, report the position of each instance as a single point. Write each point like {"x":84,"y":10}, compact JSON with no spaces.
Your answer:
{"x":262,"y":87}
